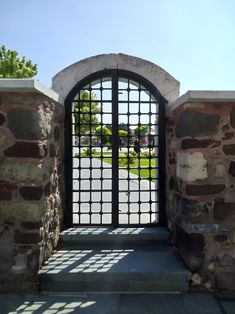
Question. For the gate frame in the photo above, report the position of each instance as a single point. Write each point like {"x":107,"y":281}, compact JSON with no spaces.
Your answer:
{"x":68,"y":139}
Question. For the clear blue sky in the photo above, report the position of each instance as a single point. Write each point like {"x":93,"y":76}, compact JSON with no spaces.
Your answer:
{"x":194,"y":40}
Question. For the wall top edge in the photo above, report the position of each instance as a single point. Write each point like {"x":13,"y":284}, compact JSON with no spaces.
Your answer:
{"x":27,"y":86}
{"x":202,"y":96}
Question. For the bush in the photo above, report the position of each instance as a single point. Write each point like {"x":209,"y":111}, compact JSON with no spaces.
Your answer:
{"x":148,"y":154}
{"x":89,"y":151}
{"x":129,"y":159}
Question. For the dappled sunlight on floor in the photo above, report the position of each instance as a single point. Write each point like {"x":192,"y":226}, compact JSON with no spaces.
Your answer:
{"x":85,"y":261}
{"x":52,"y":308}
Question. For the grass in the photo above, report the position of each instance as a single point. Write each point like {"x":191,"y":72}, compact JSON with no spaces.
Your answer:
{"x":144,"y":163}
{"x":94,"y":154}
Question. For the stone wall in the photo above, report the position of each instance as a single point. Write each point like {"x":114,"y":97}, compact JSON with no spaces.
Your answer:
{"x":31,"y":182}
{"x":201,"y":186}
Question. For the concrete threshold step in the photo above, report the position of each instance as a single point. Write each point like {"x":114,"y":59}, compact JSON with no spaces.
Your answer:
{"x":114,"y":235}
{"x":125,"y":270}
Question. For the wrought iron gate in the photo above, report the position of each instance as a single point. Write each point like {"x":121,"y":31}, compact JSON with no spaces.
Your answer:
{"x":115,"y":151}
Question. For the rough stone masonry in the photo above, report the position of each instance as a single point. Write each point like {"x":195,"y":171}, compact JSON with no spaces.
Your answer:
{"x":201,"y":186}
{"x":31,"y":183}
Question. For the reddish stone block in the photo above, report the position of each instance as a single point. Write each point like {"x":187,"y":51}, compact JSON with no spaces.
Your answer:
{"x":31,"y":193}
{"x":26,"y":150}
{"x":204,"y":189}
{"x":31,"y":224}
{"x":194,"y":143}
{"x":8,"y":186}
{"x":223,"y":210}
{"x":27,"y":238}
{"x":229,"y":149}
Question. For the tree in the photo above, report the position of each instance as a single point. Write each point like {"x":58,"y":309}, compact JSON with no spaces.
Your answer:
{"x":124,"y":126}
{"x":141,"y":131}
{"x":122,"y":133}
{"x":123,"y":136}
{"x":85,"y":113}
{"x":13,"y":67}
{"x":104,"y":134}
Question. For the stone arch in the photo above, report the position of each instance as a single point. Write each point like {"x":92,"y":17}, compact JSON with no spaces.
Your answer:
{"x":64,"y":81}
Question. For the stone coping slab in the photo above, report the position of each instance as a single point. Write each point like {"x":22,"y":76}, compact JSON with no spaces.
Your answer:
{"x":27,"y":86}
{"x":202,"y":96}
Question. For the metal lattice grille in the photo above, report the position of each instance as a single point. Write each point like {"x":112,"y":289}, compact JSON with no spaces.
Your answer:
{"x":115,"y":152}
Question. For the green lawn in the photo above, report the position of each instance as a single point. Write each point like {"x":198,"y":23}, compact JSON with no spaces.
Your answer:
{"x":94,"y":154}
{"x":144,"y":163}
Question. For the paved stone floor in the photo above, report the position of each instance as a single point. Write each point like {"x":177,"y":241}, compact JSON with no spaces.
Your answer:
{"x":119,"y":304}
{"x":127,"y":192}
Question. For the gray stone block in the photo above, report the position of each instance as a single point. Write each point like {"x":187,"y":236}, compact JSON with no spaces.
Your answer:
{"x":34,"y":125}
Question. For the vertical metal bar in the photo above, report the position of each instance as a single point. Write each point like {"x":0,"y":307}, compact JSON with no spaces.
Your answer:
{"x":90,"y":156}
{"x":161,"y":144}
{"x":101,"y":154}
{"x":69,"y":164}
{"x":115,"y":169}
{"x":128,"y":155}
{"x":79,"y":158}
{"x":150,"y":182}
{"x":140,"y":145}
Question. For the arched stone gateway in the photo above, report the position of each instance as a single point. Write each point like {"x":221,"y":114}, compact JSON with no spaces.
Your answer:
{"x":115,"y":107}
{"x":200,"y":179}
{"x":64,"y":81}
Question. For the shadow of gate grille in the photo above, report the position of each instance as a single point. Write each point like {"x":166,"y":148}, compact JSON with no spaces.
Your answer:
{"x":115,"y":154}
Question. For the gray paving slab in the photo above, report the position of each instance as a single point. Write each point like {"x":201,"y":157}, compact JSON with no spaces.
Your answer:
{"x":201,"y":303}
{"x":113,"y":304}
{"x":227,"y":302}
{"x":91,"y":304}
{"x":10,"y":302}
{"x":228,"y":306}
{"x":136,"y":268}
{"x":126,"y":193}
{"x":102,"y":234}
{"x":151,"y":304}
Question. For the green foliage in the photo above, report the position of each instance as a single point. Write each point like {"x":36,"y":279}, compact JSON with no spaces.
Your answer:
{"x":124,"y":126}
{"x":148,"y":154}
{"x":13,"y":67}
{"x":85,"y":112}
{"x":104,"y":134}
{"x":141,"y":131}
{"x":109,"y":126}
{"x":128,"y":159}
{"x":122,"y":133}
{"x":89,"y":151}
